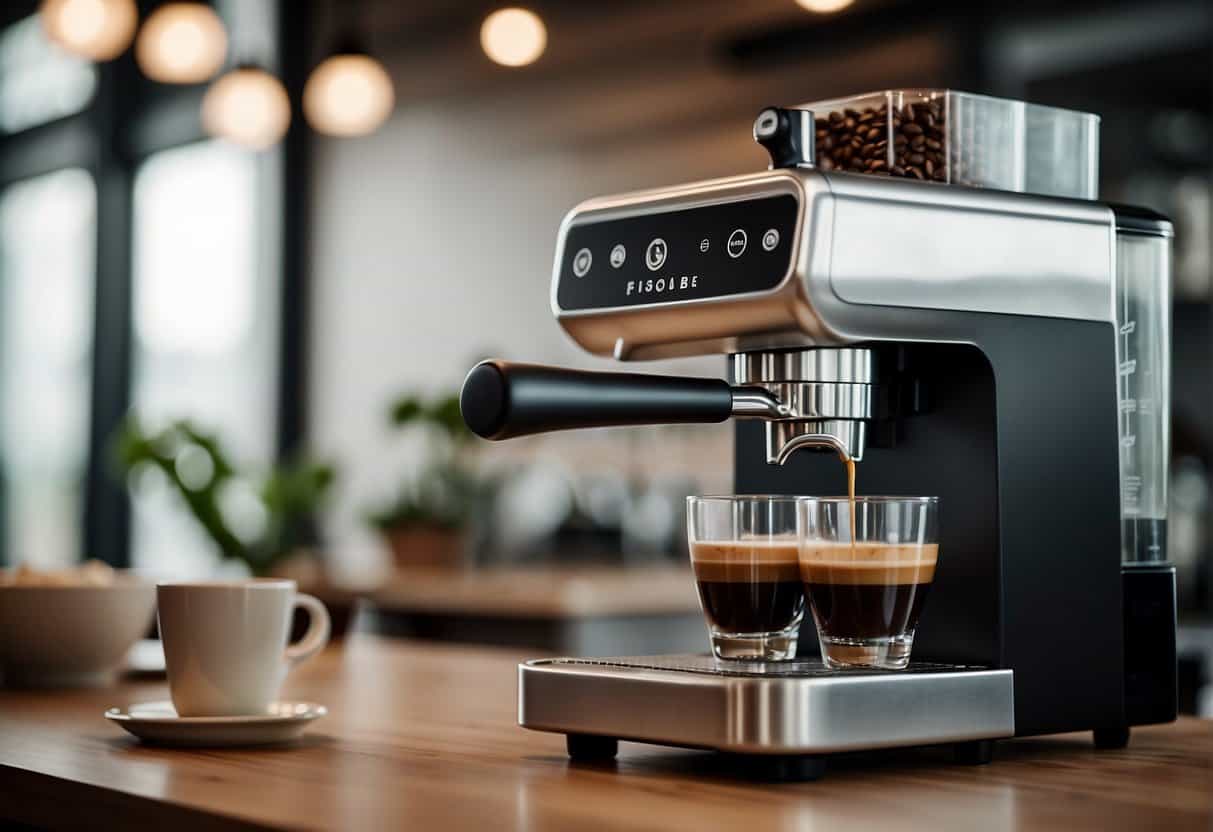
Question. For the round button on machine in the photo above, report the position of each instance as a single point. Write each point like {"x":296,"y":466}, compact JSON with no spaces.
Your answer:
{"x":582,"y":261}
{"x":737,"y":243}
{"x":770,"y":239}
{"x":618,"y":255}
{"x":655,"y":254}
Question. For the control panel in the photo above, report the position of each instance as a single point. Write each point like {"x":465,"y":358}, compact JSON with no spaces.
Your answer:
{"x":683,"y":254}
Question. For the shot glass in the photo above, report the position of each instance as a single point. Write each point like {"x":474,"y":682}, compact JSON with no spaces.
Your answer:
{"x":867,"y":565}
{"x":745,"y":556}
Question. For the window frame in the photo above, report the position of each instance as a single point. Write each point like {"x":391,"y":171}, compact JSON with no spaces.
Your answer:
{"x":128,"y":120}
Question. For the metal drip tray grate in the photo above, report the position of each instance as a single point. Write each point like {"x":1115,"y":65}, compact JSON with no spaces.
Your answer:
{"x":799,"y":668}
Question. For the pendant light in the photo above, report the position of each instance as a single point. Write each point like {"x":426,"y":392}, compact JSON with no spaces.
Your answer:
{"x":349,"y":93}
{"x":248,"y":106}
{"x":824,"y":6}
{"x":99,"y":30}
{"x":513,"y":37}
{"x":181,"y":43}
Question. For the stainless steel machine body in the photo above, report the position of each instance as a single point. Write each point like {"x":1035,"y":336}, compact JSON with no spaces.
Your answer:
{"x":974,"y":344}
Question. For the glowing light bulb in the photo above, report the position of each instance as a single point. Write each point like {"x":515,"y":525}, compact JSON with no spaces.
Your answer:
{"x":824,"y":6}
{"x":96,"y":29}
{"x":247,"y":106}
{"x":181,"y":43}
{"x":513,"y":37}
{"x":348,"y":95}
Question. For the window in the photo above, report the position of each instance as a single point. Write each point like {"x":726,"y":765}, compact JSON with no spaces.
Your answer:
{"x":205,"y":332}
{"x":47,"y":245}
{"x":38,"y":81}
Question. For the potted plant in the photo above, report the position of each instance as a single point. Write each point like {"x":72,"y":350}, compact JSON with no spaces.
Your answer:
{"x":426,"y":522}
{"x":290,"y":494}
{"x":198,"y":469}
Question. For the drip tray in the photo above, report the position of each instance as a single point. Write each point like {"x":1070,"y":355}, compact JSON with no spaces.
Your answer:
{"x":783,"y":708}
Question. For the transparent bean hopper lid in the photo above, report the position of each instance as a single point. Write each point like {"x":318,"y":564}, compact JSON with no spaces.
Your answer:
{"x":961,"y":139}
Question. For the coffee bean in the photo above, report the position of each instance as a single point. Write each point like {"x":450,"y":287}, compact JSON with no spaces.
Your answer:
{"x":905,"y":141}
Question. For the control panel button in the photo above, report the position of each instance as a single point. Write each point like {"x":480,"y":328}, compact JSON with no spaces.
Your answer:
{"x":582,"y":261}
{"x":655,"y":254}
{"x":770,"y":239}
{"x":704,"y":245}
{"x":618,"y":255}
{"x":737,"y":243}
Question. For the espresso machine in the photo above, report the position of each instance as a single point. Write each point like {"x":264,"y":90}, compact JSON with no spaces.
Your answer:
{"x":967,"y":321}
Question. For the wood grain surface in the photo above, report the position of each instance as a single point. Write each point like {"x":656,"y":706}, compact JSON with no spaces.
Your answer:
{"x":424,"y":737}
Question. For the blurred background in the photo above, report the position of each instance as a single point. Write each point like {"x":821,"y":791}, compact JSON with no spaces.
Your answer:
{"x":248,"y":250}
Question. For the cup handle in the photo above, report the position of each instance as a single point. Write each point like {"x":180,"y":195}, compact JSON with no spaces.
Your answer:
{"x":318,"y":629}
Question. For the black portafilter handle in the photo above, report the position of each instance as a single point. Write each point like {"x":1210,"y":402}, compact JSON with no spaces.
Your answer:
{"x":501,"y":399}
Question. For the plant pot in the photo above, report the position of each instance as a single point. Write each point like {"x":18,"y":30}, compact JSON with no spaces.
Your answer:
{"x":425,"y":545}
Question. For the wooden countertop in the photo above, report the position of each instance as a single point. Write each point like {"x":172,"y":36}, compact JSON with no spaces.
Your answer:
{"x":424,"y":737}
{"x":542,"y":592}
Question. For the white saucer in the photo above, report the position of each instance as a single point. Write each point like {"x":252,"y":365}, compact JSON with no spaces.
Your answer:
{"x":157,"y":722}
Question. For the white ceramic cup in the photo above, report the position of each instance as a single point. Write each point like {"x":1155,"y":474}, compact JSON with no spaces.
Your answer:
{"x":225,"y":642}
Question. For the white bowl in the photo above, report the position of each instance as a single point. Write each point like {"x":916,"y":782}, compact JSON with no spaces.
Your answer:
{"x":71,"y":635}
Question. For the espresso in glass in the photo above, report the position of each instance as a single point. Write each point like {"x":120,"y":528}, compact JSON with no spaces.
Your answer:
{"x":745,"y":557}
{"x":749,"y":586}
{"x":867,"y":566}
{"x":869,"y":592}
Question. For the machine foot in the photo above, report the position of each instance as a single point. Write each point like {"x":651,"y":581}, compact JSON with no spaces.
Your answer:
{"x":1110,"y":737}
{"x":591,"y":748}
{"x":778,"y":768}
{"x":974,"y":753}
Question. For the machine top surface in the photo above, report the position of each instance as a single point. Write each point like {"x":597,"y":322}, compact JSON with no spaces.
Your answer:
{"x":800,"y":258}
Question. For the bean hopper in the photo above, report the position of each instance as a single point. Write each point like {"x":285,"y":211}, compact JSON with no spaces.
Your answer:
{"x":924,"y":282}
